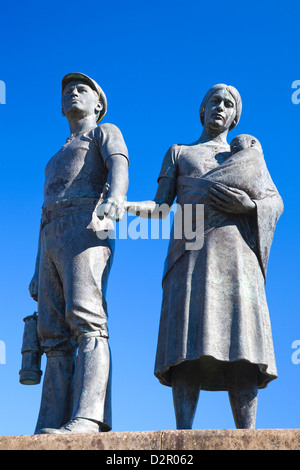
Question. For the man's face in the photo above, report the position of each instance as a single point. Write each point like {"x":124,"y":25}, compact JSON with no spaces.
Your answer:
{"x":220,"y":111}
{"x":80,"y":100}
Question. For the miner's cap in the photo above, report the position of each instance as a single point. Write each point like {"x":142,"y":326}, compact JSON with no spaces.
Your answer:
{"x":76,"y":76}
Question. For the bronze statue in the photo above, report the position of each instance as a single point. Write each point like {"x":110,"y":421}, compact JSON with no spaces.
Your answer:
{"x":73,"y":263}
{"x":215,"y":331}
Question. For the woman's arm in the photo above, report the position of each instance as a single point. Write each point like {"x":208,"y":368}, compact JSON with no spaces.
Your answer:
{"x":235,"y":201}
{"x":160,"y":206}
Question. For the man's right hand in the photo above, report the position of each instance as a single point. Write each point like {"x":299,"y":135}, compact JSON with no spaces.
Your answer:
{"x":112,"y":208}
{"x":33,"y":287}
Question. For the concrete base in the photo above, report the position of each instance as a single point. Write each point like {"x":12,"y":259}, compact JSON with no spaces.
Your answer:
{"x":228,"y":439}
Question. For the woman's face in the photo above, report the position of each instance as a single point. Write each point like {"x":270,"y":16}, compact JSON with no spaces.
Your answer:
{"x":220,"y":111}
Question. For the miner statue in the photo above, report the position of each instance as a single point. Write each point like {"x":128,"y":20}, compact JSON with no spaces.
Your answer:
{"x":85,"y":185}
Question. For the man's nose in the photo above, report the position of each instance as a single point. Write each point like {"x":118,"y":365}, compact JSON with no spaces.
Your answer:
{"x":74,"y":92}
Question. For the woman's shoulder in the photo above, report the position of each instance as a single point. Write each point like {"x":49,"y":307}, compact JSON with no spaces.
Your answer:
{"x":181,"y":148}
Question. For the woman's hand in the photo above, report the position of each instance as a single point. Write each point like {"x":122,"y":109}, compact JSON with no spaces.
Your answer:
{"x":235,"y":201}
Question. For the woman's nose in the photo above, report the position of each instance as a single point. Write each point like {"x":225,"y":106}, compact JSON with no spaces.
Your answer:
{"x":220,"y":105}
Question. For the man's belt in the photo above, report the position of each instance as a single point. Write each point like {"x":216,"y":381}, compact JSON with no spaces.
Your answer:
{"x":72,"y":205}
{"x":68,"y":207}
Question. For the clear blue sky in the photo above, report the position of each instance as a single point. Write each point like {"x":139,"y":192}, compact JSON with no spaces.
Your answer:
{"x":155,"y":60}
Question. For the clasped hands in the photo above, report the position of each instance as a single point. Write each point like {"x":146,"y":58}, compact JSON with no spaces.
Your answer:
{"x":223,"y":198}
{"x":113,"y":208}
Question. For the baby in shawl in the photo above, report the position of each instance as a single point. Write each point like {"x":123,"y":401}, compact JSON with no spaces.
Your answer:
{"x":244,"y":169}
{"x":243,"y":142}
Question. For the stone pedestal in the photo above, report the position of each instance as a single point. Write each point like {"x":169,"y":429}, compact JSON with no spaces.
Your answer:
{"x":191,"y":440}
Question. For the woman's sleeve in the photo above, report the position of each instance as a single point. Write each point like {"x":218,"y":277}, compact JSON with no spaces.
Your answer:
{"x":169,"y":164}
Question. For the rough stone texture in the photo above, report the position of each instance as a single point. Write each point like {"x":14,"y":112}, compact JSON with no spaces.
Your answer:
{"x":231,"y":439}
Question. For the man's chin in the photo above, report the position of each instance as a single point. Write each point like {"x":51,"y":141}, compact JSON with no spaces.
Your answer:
{"x":75,"y":112}
{"x":74,"y":106}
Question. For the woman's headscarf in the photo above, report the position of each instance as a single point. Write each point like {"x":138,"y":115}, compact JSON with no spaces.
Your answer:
{"x":235,"y":95}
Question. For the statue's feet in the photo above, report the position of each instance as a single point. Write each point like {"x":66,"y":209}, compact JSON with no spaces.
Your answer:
{"x":76,"y":425}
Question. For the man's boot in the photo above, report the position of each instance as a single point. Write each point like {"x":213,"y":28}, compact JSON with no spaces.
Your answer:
{"x":92,"y":403}
{"x":57,"y":395}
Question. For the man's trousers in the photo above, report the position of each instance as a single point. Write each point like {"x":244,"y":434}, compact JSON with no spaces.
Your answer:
{"x":72,"y":320}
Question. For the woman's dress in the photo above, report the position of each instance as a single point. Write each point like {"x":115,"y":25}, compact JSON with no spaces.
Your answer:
{"x":214,"y":309}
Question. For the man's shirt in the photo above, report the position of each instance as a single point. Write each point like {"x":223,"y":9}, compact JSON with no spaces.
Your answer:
{"x":79,"y":169}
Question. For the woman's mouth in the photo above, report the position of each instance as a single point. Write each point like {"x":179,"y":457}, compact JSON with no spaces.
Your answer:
{"x":218,"y":116}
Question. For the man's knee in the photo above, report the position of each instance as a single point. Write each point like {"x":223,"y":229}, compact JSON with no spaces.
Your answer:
{"x":85,"y":321}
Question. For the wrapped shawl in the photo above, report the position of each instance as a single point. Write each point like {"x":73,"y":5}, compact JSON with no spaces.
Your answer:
{"x":245,"y":170}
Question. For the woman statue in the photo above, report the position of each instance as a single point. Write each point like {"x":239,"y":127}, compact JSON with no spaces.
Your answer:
{"x":215,"y":331}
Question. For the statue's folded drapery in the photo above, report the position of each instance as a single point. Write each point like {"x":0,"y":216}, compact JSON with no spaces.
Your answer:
{"x":214,"y":307}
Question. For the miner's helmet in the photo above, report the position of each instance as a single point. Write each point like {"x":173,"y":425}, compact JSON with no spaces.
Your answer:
{"x":75,"y":76}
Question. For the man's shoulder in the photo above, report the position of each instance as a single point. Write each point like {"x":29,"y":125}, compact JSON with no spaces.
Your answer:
{"x":106,"y":128}
{"x":109,"y":140}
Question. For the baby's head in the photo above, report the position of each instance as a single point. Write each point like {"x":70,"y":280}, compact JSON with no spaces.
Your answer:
{"x":244,"y":141}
